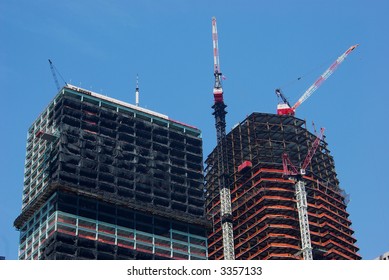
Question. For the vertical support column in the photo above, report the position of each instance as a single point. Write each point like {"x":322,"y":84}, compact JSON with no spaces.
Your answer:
{"x":56,"y":221}
{"x":171,"y":239}
{"x":302,"y":208}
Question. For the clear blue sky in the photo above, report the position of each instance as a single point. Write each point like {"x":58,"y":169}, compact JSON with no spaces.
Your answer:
{"x":102,"y":45}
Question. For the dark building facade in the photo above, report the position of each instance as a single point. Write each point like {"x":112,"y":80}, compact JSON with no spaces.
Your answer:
{"x":265,"y":216}
{"x":105,"y":179}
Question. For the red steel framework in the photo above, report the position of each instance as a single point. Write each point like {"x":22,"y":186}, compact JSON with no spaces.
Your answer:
{"x":265,"y":216}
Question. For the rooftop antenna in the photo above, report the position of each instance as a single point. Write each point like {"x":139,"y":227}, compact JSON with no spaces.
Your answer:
{"x":137,"y":91}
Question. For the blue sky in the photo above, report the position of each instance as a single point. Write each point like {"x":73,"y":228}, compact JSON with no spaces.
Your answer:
{"x":102,"y":45}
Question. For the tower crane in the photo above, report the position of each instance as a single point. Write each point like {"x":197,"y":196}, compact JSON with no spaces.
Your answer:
{"x":301,"y":196}
{"x":223,"y":178}
{"x":284,"y":107}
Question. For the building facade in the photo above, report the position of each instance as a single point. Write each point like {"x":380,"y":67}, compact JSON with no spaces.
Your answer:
{"x":265,"y":216}
{"x":105,"y":179}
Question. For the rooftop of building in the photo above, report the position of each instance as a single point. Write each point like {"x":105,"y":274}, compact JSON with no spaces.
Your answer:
{"x":121,"y":106}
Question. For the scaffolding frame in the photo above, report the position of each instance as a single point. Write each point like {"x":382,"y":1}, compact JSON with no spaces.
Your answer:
{"x":265,"y":216}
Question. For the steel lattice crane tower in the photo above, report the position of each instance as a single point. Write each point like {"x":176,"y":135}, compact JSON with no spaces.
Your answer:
{"x":223,"y":179}
{"x":301,"y":195}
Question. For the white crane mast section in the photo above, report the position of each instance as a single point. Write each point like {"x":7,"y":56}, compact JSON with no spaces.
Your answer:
{"x":302,"y":208}
{"x":323,"y":77}
{"x":225,"y":195}
{"x":227,"y":228}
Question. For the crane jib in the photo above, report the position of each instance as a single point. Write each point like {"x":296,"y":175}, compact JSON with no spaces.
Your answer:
{"x":323,"y":77}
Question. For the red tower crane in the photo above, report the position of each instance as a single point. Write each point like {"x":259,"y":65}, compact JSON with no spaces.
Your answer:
{"x":301,"y":196}
{"x":223,"y":178}
{"x":284,"y":107}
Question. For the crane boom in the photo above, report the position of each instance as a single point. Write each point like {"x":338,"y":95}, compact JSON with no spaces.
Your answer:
{"x":216,"y":63}
{"x":54,"y":75}
{"x":290,"y":169}
{"x":312,"y":151}
{"x":54,"y":70}
{"x":285,"y":109}
{"x":323,"y":77}
{"x":282,"y":96}
{"x":222,"y":166}
{"x":217,"y":89}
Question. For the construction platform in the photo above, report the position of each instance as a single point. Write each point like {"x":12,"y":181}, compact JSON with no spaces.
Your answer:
{"x":265,"y":217}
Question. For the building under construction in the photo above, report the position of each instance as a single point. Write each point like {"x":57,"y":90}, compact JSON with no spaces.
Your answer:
{"x":264,"y":213}
{"x":105,"y":179}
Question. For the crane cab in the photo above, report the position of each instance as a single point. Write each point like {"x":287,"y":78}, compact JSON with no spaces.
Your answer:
{"x":284,"y":109}
{"x":218,"y":95}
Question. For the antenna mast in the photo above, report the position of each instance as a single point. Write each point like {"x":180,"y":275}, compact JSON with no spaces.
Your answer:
{"x":137,"y":91}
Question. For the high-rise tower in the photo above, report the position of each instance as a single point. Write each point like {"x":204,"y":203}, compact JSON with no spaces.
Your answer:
{"x":264,"y":209}
{"x":105,"y":179}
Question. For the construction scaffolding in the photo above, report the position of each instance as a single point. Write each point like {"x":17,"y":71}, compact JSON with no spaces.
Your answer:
{"x":265,"y":216}
{"x":101,"y":156}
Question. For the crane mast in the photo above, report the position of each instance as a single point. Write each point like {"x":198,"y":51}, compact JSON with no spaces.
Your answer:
{"x":301,"y":195}
{"x":284,"y":107}
{"x":302,"y":209}
{"x":222,"y":166}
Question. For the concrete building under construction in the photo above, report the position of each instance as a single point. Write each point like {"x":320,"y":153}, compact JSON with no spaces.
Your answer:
{"x":105,"y":179}
{"x":264,"y":213}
